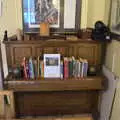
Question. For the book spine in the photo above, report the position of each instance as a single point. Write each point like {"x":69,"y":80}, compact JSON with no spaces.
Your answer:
{"x":61,"y":70}
{"x":79,"y":69}
{"x":82,"y":69}
{"x":66,"y":72}
{"x":70,"y":68}
{"x":73,"y":68}
{"x":35,"y":67}
{"x":31,"y":68}
{"x":42,"y":69}
{"x":38,"y":67}
{"x":27,"y":69}
{"x":76,"y":69}
{"x":85,"y":69}
{"x":24,"y":68}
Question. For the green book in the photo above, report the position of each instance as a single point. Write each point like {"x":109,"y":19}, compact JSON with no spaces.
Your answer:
{"x":70,"y":67}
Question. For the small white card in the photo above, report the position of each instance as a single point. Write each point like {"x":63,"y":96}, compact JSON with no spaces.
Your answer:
{"x":69,"y":14}
{"x":52,"y":65}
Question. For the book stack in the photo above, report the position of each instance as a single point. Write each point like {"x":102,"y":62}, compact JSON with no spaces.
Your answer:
{"x":33,"y":68}
{"x":72,"y":67}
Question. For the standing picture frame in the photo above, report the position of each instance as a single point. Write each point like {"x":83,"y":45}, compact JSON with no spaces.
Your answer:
{"x":52,"y":65}
{"x":115,"y":17}
{"x":64,"y":20}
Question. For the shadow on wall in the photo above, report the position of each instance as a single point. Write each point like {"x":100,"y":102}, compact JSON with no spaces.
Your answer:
{"x":107,"y":95}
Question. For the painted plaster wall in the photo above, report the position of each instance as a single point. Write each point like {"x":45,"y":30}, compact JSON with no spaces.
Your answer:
{"x":92,"y":10}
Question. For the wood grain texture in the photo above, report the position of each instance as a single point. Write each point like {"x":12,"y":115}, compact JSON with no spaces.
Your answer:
{"x":55,"y":96}
{"x":90,"y":83}
{"x":54,"y":103}
{"x":68,"y":117}
{"x":7,"y":111}
{"x":90,"y":50}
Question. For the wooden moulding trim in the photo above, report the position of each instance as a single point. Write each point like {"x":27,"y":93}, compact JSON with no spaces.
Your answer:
{"x":52,"y":40}
{"x":55,"y":85}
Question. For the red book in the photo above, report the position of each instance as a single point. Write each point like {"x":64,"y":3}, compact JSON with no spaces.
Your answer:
{"x":66,"y":69}
{"x":24,"y":68}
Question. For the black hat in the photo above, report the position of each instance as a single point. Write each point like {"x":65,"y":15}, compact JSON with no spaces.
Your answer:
{"x":99,"y":25}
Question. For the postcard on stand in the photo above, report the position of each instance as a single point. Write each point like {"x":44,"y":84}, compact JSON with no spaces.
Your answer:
{"x":52,"y":65}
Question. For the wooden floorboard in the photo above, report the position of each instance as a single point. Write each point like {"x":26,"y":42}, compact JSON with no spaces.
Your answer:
{"x":74,"y":117}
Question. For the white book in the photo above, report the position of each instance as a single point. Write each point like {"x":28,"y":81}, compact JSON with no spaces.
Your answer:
{"x":61,"y":70}
{"x":85,"y":68}
{"x":79,"y":69}
{"x":82,"y":68}
{"x":52,"y":65}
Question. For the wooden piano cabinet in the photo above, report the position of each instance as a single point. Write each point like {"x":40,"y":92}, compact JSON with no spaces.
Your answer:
{"x":16,"y":50}
{"x":55,"y":97}
{"x":55,"y":103}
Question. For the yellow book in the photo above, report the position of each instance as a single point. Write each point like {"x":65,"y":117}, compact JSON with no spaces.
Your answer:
{"x":42,"y":68}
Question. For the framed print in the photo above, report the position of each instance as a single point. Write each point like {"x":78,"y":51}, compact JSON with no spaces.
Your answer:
{"x":52,"y":65}
{"x":55,"y":12}
{"x":41,"y":11}
{"x":115,"y":16}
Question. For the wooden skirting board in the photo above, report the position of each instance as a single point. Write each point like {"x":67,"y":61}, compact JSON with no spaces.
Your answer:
{"x":76,"y":117}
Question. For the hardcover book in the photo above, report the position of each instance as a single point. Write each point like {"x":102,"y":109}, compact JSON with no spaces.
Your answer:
{"x":31,"y":68}
{"x":66,"y":67}
{"x":61,"y":70}
{"x":24,"y":68}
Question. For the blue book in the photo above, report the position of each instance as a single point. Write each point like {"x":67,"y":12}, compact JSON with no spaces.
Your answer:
{"x":61,"y":70}
{"x":31,"y":69}
{"x":85,"y":69}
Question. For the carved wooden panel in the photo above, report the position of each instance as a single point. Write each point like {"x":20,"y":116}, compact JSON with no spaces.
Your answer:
{"x":38,"y":51}
{"x":63,"y":51}
{"x":71,"y":51}
{"x":19,"y":53}
{"x":53,"y":103}
{"x":88,"y":51}
{"x":49,"y":50}
{"x":50,"y":103}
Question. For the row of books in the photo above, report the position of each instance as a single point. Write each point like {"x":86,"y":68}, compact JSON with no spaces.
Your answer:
{"x":34,"y":68}
{"x":71,"y":67}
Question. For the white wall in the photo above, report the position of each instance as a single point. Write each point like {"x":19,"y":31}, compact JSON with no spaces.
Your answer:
{"x":8,"y":18}
{"x":96,"y":11}
{"x":107,"y":95}
{"x":116,"y":106}
{"x":11,"y":19}
{"x":92,"y":10}
{"x":113,"y":57}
